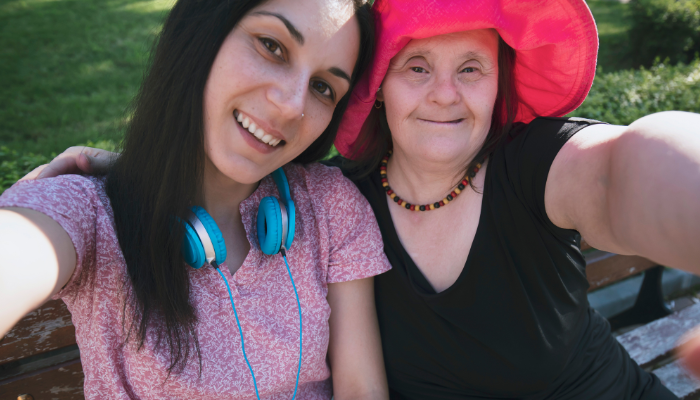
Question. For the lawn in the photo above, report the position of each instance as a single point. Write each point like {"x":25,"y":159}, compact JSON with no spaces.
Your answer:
{"x":69,"y":69}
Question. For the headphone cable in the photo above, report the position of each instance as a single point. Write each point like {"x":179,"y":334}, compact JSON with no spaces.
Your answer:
{"x":240,"y":330}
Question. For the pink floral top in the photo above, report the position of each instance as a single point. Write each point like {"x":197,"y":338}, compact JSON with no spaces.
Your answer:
{"x":337,"y":240}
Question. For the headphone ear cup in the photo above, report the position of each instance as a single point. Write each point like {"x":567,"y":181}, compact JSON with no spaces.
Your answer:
{"x":192,"y":250}
{"x":217,"y":239}
{"x":269,"y":225}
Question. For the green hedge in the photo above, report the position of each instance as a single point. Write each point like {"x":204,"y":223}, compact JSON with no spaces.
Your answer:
{"x":665,"y":28}
{"x":624,"y":96}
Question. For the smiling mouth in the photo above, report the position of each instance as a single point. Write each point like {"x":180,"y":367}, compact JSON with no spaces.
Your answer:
{"x":454,"y":121}
{"x":256,"y":131}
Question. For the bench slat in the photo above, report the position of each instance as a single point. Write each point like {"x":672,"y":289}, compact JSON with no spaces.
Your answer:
{"x":63,"y":381}
{"x":656,"y":340}
{"x":603,"y":268}
{"x":678,"y":380}
{"x":47,"y":328}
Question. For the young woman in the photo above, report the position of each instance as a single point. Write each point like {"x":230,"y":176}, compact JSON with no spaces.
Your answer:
{"x":487,"y":295}
{"x":236,"y":90}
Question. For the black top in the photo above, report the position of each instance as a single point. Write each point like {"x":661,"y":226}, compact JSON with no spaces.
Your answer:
{"x":516,"y":323}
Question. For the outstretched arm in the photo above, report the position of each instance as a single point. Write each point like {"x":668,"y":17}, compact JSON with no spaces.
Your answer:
{"x":37,"y":258}
{"x":355,"y":351}
{"x":633,"y":190}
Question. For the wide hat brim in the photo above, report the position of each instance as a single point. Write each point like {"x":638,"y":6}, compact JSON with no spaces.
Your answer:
{"x":556,"y":44}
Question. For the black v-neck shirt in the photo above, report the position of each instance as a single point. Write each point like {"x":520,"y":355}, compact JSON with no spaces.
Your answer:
{"x":516,"y":323}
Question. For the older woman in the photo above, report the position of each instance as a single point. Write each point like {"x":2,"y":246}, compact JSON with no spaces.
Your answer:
{"x":482,"y":196}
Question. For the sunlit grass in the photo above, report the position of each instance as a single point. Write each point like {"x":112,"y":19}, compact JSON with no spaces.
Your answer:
{"x":70,"y":68}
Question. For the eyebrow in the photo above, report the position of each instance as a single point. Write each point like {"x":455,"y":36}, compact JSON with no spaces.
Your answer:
{"x":339,"y":73}
{"x":290,"y":27}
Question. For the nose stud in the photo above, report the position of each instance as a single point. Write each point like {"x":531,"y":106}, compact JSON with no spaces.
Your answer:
{"x":302,"y":115}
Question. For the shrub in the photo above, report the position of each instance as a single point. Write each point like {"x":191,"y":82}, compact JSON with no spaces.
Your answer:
{"x":665,"y":29}
{"x":624,"y":96}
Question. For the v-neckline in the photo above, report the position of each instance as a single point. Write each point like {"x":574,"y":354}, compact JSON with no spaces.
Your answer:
{"x":418,"y":281}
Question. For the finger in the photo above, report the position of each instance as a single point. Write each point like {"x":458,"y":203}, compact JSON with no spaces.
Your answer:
{"x":59,"y":166}
{"x":84,"y":163}
{"x":97,"y":163}
{"x":689,"y":351}
{"x":34,"y":174}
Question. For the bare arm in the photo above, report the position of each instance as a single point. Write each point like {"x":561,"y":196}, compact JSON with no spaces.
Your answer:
{"x":633,"y":190}
{"x":355,"y":348}
{"x":37,"y":258}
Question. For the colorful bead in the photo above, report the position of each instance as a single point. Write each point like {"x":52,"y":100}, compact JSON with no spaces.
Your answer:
{"x":427,"y":207}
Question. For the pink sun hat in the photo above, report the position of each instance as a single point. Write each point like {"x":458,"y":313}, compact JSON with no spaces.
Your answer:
{"x":556,"y":45}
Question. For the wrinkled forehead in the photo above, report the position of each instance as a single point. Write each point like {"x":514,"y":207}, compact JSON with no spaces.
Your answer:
{"x":479,"y":42}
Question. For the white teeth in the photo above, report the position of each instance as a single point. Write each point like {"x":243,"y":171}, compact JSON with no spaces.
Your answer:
{"x":255,"y":130}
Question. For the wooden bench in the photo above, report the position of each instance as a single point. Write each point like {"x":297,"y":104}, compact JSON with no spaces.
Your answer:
{"x":39,"y":358}
{"x":653,"y":344}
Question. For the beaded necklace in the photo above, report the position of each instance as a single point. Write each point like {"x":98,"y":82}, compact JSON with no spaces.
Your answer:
{"x":426,"y":207}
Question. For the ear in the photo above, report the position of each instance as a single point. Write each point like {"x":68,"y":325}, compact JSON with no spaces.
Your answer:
{"x":380,"y":94}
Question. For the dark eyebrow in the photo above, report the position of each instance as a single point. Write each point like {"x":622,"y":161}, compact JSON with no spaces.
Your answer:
{"x":339,"y":73}
{"x":292,"y":30}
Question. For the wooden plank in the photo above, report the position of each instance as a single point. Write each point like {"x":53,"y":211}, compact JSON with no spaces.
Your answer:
{"x":603,"y":268}
{"x":63,"y":381}
{"x":656,"y":340}
{"x":679,"y":381}
{"x":45,"y":329}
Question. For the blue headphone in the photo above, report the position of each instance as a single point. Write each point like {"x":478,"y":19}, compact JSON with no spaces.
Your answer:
{"x":204,"y":244}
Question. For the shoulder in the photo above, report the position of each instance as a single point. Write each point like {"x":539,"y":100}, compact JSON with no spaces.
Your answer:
{"x":323,"y":182}
{"x":543,"y":129}
{"x":64,"y":190}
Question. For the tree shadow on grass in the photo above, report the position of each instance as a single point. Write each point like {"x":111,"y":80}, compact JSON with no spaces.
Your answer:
{"x":70,"y":69}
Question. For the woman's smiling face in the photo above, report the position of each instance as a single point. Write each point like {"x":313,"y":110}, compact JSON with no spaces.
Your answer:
{"x":285,"y":58}
{"x":439,"y":95}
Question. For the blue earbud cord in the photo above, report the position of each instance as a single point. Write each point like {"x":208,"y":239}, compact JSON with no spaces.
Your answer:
{"x":299,"y":308}
{"x":235,"y":314}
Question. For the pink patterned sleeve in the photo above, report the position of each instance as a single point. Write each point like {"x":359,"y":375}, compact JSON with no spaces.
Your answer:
{"x":357,"y":250}
{"x":70,"y":200}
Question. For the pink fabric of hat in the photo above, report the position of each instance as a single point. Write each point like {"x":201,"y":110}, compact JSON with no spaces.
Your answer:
{"x":556,"y":44}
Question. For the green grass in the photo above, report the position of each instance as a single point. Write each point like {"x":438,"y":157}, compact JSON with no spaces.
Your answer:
{"x":69,"y":69}
{"x":614,"y":21}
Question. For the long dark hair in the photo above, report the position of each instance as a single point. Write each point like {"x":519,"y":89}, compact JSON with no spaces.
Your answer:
{"x":375,"y":138}
{"x":160,"y":171}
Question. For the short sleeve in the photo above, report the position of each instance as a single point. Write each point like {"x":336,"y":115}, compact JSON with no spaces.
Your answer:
{"x":356,"y":247}
{"x":71,"y":201}
{"x":530,"y":154}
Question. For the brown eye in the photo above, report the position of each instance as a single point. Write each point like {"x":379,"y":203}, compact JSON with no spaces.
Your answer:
{"x":272,"y":46}
{"x":322,"y":88}
{"x":420,"y":70}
